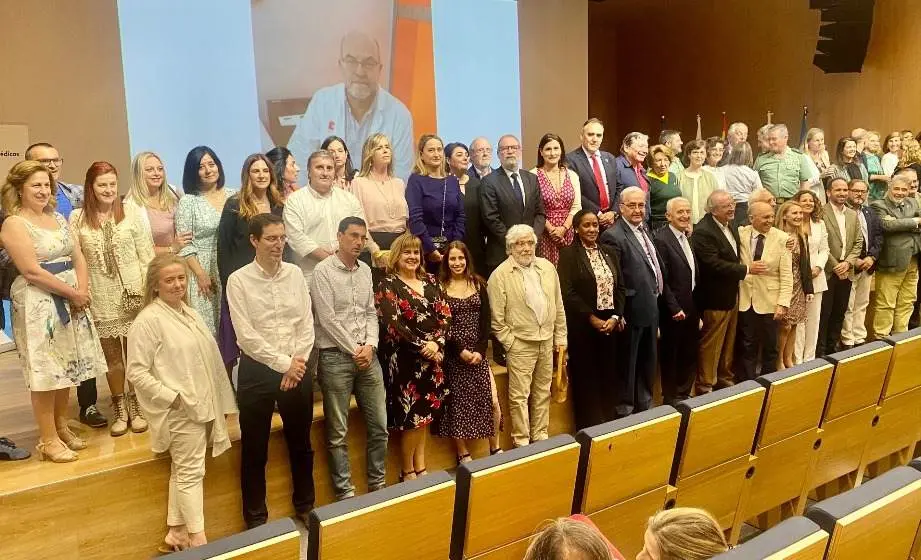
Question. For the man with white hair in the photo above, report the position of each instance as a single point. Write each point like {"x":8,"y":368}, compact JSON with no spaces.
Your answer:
{"x":783,"y":169}
{"x":529,"y":320}
{"x":480,"y":158}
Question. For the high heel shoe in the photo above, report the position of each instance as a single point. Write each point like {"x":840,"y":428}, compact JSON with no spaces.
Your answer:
{"x":405,"y":474}
{"x":64,"y":455}
{"x":70,"y":439}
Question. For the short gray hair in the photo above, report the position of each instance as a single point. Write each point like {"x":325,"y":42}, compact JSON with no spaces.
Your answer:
{"x":736,"y":126}
{"x":765,"y":130}
{"x":755,"y":195}
{"x":670,"y":205}
{"x":712,"y":199}
{"x":900,"y":178}
{"x":632,"y":137}
{"x":516,"y":233}
{"x":479,"y":139}
{"x":631,"y":190}
{"x":781,"y":129}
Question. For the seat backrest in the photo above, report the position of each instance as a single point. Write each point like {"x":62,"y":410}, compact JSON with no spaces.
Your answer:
{"x":858,"y":379}
{"x":904,"y":371}
{"x":374,"y":526}
{"x":795,"y":400}
{"x":276,"y":540}
{"x":797,"y":537}
{"x":625,"y":458}
{"x":878,"y":519}
{"x":504,"y":498}
{"x":717,"y":427}
{"x":916,"y":464}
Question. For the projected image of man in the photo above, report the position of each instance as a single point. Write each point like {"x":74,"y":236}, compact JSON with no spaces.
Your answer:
{"x":356,"y":108}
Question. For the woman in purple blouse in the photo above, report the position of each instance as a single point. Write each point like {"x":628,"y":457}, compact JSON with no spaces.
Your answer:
{"x":436,"y":205}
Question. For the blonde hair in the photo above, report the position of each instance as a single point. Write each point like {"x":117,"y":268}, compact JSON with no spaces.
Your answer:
{"x":403,"y":243}
{"x":247,"y":198}
{"x":154,"y":269}
{"x":661,"y":149}
{"x":911,"y":153}
{"x":564,"y":538}
{"x":782,"y":211}
{"x":140,"y":194}
{"x":687,"y":534}
{"x":11,"y":192}
{"x":419,"y":167}
{"x":879,"y":137}
{"x":374,"y":142}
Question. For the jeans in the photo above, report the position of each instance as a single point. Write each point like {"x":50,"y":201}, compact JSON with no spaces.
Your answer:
{"x":339,"y":377}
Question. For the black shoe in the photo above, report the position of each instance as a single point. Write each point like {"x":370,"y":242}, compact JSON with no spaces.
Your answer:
{"x":93,"y":418}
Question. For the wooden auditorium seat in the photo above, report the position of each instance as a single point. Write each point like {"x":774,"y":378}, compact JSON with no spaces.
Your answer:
{"x":624,"y":470}
{"x":502,"y":500}
{"x":277,"y":540}
{"x":410,"y":519}
{"x":713,"y":464}
{"x":899,"y":408}
{"x":877,"y":520}
{"x":849,"y":419}
{"x":787,"y":443}
{"x":797,"y":538}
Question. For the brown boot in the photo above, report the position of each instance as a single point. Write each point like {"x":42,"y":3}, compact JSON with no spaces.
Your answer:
{"x":119,"y":425}
{"x":135,"y":415}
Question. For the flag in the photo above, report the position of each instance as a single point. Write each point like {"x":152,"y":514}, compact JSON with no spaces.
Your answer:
{"x":804,"y":125}
{"x":725,"y":132}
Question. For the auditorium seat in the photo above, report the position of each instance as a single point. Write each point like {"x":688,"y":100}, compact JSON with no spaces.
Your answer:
{"x":850,"y":418}
{"x":787,"y":443}
{"x":624,"y":469}
{"x":899,"y":411}
{"x":278,"y":540}
{"x":797,"y":538}
{"x":713,"y":463}
{"x":411,"y":518}
{"x":503,"y":499}
{"x":877,"y":520}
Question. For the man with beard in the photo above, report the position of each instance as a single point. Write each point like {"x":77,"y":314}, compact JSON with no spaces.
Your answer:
{"x":356,"y":108}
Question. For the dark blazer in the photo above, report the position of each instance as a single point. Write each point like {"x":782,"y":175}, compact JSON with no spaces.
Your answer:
{"x":500,"y":209}
{"x":873,"y":245}
{"x":641,"y":307}
{"x":677,"y":295}
{"x":484,"y":324}
{"x":234,"y":251}
{"x":626,"y":176}
{"x":583,"y":167}
{"x":474,"y":173}
{"x":578,"y":284}
{"x":805,"y":267}
{"x":720,"y":267}
{"x":474,"y":236}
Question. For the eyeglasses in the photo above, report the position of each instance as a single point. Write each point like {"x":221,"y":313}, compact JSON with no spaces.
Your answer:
{"x":55,"y":162}
{"x":481,"y":151}
{"x":635,"y":205}
{"x":514,"y":148}
{"x":367,"y":64}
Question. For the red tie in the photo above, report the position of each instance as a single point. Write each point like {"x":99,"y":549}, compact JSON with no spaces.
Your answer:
{"x":602,"y":190}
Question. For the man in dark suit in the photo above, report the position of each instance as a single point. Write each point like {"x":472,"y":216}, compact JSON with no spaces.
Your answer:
{"x":629,"y":170}
{"x":643,"y":279}
{"x":596,"y":171}
{"x":716,"y":248}
{"x":480,"y":158}
{"x":508,"y":196}
{"x":854,"y":331}
{"x":679,"y":322}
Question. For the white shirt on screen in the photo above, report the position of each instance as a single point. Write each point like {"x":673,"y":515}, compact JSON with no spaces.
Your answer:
{"x":328,"y":114}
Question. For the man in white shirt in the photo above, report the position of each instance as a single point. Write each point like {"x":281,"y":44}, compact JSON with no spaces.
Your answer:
{"x":356,"y":108}
{"x":312,"y":214}
{"x":271,"y":313}
{"x":347,"y":337}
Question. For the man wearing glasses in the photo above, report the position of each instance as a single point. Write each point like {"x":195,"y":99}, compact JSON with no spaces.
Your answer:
{"x":480,"y":158}
{"x":356,"y":108}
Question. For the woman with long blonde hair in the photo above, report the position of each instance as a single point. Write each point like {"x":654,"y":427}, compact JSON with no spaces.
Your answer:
{"x":817,"y":159}
{"x":682,"y":534}
{"x":154,"y":200}
{"x":790,"y":221}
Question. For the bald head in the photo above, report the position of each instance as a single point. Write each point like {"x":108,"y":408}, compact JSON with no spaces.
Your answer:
{"x":360,"y":45}
{"x":360,"y":63}
{"x":761,"y":215}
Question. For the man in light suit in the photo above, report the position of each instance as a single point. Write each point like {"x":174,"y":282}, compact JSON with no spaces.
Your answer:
{"x":680,"y":321}
{"x":508,"y":196}
{"x":642,"y":272}
{"x":897,"y":274}
{"x":845,"y":242}
{"x":765,"y":293}
{"x":597,"y":172}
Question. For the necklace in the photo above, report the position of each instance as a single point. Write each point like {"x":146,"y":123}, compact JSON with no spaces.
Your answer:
{"x":390,"y":203}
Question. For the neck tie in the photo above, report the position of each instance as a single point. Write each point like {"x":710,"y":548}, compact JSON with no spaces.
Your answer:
{"x":602,"y":189}
{"x":759,"y":247}
{"x":686,"y":247}
{"x":517,"y":189}
{"x":651,"y":255}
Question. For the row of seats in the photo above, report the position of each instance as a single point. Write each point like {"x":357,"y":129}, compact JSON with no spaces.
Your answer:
{"x":752,"y":452}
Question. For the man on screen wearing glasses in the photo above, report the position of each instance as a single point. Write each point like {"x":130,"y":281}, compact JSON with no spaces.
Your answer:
{"x":356,"y":108}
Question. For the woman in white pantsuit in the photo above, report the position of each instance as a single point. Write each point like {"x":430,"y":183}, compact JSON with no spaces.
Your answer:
{"x":807,"y":334}
{"x":180,"y":381}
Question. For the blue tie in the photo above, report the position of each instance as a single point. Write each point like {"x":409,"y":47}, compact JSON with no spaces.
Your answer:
{"x":517,"y":189}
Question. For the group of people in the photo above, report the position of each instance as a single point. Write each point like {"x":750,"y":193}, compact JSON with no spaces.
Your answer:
{"x":392,"y":291}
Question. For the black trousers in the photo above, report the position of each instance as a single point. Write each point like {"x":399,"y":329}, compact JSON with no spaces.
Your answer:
{"x":678,"y":350}
{"x":831,"y":319}
{"x":593,"y":371}
{"x":758,"y":331}
{"x":86,"y":393}
{"x":637,"y":345}
{"x":258,"y":389}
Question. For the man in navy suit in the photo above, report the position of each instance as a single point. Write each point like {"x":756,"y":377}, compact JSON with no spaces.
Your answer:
{"x":679,"y":323}
{"x":629,"y":165}
{"x":596,"y":172}
{"x":480,"y":158}
{"x":642,"y":275}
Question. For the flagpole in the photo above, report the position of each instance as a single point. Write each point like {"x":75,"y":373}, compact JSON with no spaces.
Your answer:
{"x":699,"y":135}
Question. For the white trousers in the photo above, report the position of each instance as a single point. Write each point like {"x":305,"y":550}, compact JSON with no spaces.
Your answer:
{"x":854,"y":331}
{"x":187,"y":447}
{"x":807,"y":332}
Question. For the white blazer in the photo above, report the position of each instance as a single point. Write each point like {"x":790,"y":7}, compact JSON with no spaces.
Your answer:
{"x":818,"y":254}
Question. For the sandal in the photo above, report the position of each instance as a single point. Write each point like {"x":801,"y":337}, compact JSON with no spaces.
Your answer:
{"x":421,"y":472}
{"x":496,"y":451}
{"x":404,"y":474}
{"x":465,"y":458}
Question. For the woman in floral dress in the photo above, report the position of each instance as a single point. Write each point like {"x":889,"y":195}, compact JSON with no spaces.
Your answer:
{"x":199,"y":212}
{"x":562,"y":196}
{"x":790,"y":221}
{"x":415,"y":318}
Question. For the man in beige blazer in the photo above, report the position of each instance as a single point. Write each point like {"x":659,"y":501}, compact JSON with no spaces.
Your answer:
{"x":845,"y":241}
{"x":764,"y":294}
